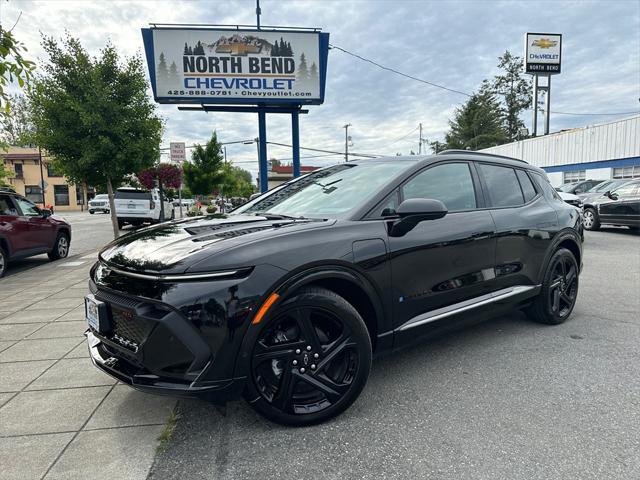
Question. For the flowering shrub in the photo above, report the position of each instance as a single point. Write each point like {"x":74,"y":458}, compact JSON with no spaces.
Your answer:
{"x":170,"y":176}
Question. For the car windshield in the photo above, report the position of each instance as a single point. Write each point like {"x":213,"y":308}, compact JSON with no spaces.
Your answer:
{"x":100,"y":197}
{"x":331,"y":192}
{"x":567,"y":187}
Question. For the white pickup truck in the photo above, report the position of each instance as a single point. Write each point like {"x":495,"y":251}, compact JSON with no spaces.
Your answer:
{"x":136,"y":207}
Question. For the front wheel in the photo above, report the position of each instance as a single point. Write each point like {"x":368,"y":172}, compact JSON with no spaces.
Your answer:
{"x":590,"y":219}
{"x":559,"y":291}
{"x":91,"y":212}
{"x":60,"y":248}
{"x":4,"y":260}
{"x":310,"y":361}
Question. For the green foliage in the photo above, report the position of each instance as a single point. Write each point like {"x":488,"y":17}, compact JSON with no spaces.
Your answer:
{"x":515,"y":90}
{"x":93,"y":115}
{"x":212,"y":209}
{"x":477,"y":124}
{"x":13,"y":68}
{"x":16,"y":127}
{"x":237,"y":182}
{"x":204,"y":173}
{"x":5,"y":175}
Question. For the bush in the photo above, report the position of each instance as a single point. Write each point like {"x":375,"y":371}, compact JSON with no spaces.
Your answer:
{"x":212,"y":209}
{"x":194,"y":212}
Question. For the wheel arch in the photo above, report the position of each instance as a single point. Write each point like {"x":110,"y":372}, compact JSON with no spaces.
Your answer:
{"x":567,"y":239}
{"x":5,"y":246}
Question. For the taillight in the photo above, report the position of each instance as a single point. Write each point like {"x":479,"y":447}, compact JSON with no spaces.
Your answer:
{"x":152,"y":205}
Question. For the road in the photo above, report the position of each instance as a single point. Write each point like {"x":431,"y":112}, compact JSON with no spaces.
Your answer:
{"x":506,"y":399}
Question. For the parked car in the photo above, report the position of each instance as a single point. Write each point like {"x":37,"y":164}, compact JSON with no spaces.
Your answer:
{"x":578,"y":187}
{"x":27,"y":230}
{"x":186,"y":202}
{"x":620,"y":207}
{"x":99,"y":203}
{"x":286,"y":299}
{"x":571,"y":199}
{"x":601,"y":188}
{"x":135,"y":207}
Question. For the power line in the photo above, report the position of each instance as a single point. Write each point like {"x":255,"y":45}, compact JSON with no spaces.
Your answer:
{"x":368,"y":155}
{"x":453,"y":90}
{"x":405,"y":136}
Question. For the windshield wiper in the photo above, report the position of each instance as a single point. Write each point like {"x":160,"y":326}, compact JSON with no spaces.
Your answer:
{"x":277,"y":216}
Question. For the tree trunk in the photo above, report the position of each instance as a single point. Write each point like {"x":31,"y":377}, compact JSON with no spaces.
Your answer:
{"x":112,"y":210}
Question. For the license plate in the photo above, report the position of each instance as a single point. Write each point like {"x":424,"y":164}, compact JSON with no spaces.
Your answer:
{"x":92,"y":311}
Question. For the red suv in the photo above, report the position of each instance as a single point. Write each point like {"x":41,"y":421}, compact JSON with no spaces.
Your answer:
{"x":27,"y":230}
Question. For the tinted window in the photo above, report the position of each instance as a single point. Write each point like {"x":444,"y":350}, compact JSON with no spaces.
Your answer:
{"x":527,"y":187}
{"x":28,"y":209}
{"x":503,"y":186}
{"x":132,"y":195}
{"x":545,"y":186}
{"x":627,"y":190}
{"x":450,"y":183}
{"x":7,"y":207}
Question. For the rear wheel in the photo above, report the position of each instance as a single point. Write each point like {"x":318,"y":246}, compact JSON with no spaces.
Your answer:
{"x":120,"y":224}
{"x":310,"y":361}
{"x":590,"y":219}
{"x":92,"y":212}
{"x":4,"y":260}
{"x":559,"y":290}
{"x":60,"y":248}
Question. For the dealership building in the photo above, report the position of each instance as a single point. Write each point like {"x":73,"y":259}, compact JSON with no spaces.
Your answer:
{"x":596,"y":152}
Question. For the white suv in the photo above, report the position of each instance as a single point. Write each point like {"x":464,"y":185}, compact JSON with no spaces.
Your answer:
{"x":99,"y":203}
{"x":136,"y":207}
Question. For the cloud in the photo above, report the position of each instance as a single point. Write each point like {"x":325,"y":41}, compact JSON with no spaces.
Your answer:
{"x":451,"y":43}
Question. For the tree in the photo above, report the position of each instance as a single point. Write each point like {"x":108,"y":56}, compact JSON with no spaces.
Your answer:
{"x":163,"y":71}
{"x":5,"y":175}
{"x":205,"y":173}
{"x":274,"y":162}
{"x":477,"y":124}
{"x":93,"y":115}
{"x":314,"y":72}
{"x":16,"y":126}
{"x":303,"y":73}
{"x":166,"y":175}
{"x":13,"y":67}
{"x":515,"y":92}
{"x":237,"y":182}
{"x":173,"y":73}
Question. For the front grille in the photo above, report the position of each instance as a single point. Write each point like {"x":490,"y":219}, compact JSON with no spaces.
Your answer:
{"x":128,"y":329}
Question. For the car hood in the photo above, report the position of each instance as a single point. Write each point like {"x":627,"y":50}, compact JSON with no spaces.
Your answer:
{"x":174,"y":247}
{"x":568,"y":196}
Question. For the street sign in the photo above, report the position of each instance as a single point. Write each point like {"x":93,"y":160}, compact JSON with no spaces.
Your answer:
{"x":542,"y":53}
{"x":231,"y":66}
{"x":43,"y":185}
{"x":177,"y":152}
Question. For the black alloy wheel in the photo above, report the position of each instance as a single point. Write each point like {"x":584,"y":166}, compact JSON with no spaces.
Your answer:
{"x":559,"y":290}
{"x":310,"y":361}
{"x":4,"y":260}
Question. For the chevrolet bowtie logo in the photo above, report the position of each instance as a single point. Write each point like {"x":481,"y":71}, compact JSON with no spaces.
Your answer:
{"x":544,"y":43}
{"x":239,"y":49}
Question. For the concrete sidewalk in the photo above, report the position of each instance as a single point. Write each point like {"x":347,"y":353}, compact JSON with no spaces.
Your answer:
{"x":59,"y":416}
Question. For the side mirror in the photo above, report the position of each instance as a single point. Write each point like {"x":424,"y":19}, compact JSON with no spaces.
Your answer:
{"x":414,"y":211}
{"x":45,"y":212}
{"x":611,"y":195}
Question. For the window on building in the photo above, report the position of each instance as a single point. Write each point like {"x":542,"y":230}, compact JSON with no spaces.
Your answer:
{"x":61,"y":194}
{"x":51,"y":172}
{"x":575,"y":176}
{"x":33,"y":193}
{"x":503,"y":185}
{"x":450,"y":183}
{"x":18,"y":169}
{"x":627,"y":172}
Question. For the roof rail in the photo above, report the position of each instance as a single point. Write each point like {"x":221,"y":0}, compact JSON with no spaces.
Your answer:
{"x":7,"y":189}
{"x":472,"y":152}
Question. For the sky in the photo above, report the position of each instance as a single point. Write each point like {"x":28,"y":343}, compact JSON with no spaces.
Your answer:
{"x":452,"y":43}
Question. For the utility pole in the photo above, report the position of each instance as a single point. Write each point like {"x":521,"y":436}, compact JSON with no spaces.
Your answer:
{"x":346,"y":142}
{"x":420,"y":141}
{"x":258,"y":12}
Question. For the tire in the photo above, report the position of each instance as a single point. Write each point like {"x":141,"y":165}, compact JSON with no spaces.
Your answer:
{"x":4,"y":262}
{"x":559,"y":291}
{"x":590,"y":219}
{"x":120,"y":224}
{"x":91,"y":212}
{"x":316,"y":326}
{"x":60,"y":248}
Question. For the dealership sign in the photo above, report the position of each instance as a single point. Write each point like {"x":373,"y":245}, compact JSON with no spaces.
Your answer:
{"x":218,"y":66}
{"x":543,"y":53}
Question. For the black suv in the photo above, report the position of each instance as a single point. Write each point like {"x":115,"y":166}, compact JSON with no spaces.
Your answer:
{"x":286,"y":299}
{"x":619,"y":206}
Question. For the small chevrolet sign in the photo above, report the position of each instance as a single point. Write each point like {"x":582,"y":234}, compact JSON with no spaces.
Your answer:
{"x":543,"y":53}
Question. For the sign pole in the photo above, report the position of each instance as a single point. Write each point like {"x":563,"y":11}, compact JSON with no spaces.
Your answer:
{"x":262,"y":149}
{"x":547,"y":106}
{"x":295,"y":143}
{"x":534,"y":127}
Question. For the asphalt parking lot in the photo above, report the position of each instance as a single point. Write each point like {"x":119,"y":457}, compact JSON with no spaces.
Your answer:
{"x":506,"y":399}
